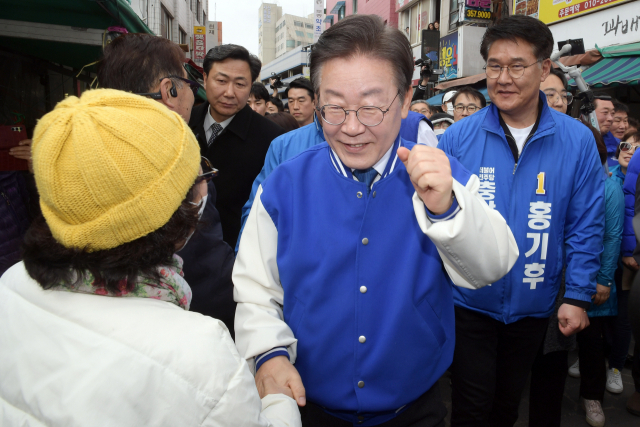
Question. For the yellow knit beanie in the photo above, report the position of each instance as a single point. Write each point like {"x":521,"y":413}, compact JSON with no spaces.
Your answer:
{"x":111,"y":167}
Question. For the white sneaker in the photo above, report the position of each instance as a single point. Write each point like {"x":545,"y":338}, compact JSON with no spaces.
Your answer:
{"x":595,"y":416}
{"x":574,"y":370}
{"x":614,"y":381}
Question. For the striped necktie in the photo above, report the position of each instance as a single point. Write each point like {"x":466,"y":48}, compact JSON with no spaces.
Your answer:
{"x":215,"y":131}
{"x":366,"y":175}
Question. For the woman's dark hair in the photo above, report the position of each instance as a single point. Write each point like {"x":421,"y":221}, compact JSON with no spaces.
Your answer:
{"x":635,"y":134}
{"x":302,"y":83}
{"x":559,"y":74}
{"x":49,"y":263}
{"x":285,"y":120}
{"x":136,"y":63}
{"x":232,"y":51}
{"x":471,"y":93}
{"x":365,"y":35}
{"x":259,"y":91}
{"x":602,"y":148}
{"x":431,"y":27}
{"x":519,"y":27}
{"x":278,"y":103}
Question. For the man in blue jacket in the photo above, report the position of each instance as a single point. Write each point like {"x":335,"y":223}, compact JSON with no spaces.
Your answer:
{"x":346,"y":265}
{"x":540,"y":169}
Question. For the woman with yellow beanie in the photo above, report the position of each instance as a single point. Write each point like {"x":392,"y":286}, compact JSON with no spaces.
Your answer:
{"x":95,"y":323}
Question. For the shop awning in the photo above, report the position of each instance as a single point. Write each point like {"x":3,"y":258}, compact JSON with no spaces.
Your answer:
{"x":608,"y":71}
{"x":462,"y":82}
{"x":337,"y":7}
{"x":437,"y":100}
{"x":329,"y":18}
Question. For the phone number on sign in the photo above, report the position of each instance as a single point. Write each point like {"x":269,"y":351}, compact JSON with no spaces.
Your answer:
{"x":581,"y":7}
{"x":481,"y":14}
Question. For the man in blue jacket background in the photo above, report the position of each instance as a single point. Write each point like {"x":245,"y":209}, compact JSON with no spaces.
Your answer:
{"x":540,"y":169}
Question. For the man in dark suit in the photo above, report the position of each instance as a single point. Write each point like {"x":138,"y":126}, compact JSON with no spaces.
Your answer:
{"x":231,"y":135}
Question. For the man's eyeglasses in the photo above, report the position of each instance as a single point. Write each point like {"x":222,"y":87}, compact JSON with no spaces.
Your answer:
{"x":470,"y":108}
{"x":193,"y":85}
{"x":627,"y":146}
{"x":369,"y":116}
{"x":515,"y":71}
{"x":565,"y":97}
{"x":208,"y":171}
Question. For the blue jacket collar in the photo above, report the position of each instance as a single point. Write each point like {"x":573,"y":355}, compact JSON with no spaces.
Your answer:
{"x":546,"y":125}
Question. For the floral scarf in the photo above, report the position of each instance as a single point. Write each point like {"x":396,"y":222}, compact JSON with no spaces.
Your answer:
{"x":171,"y":288}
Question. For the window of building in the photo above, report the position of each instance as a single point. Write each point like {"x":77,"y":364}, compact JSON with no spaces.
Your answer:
{"x":204,"y":18}
{"x":310,"y":35}
{"x":166,"y":22}
{"x":453,"y":14}
{"x":341,"y":13}
{"x":299,"y":33}
{"x":413,"y":30}
{"x":198,"y":10}
{"x":183,"y":36}
{"x":298,"y":23}
{"x":291,"y":43}
{"x":298,"y":43}
{"x":355,"y":7}
{"x":310,"y":26}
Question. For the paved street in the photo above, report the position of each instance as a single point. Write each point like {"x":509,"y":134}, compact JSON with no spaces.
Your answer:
{"x":614,"y":405}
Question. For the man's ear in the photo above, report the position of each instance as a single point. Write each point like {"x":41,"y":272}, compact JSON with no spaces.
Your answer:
{"x":204,"y":81}
{"x":406,"y":104}
{"x":167,"y":99}
{"x":546,"y":69}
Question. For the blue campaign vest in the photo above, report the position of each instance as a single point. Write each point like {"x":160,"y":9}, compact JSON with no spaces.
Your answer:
{"x":409,"y":126}
{"x":553,"y":201}
{"x":406,"y":314}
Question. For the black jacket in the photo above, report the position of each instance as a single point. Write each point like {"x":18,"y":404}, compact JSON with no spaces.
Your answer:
{"x":238,"y":153}
{"x":208,"y":262}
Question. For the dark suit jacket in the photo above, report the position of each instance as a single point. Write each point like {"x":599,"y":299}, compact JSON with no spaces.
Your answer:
{"x":238,"y":153}
{"x":208,"y":262}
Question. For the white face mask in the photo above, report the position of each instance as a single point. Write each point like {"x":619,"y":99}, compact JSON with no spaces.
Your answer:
{"x":450,"y":108}
{"x":202,"y":204}
{"x":439,"y":131}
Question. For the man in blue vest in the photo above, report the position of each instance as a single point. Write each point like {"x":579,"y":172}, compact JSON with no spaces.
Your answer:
{"x":540,"y":169}
{"x":348,"y":259}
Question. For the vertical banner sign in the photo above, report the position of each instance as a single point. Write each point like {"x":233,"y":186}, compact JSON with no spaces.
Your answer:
{"x":318,"y":11}
{"x":199,"y":44}
{"x":449,"y":57}
{"x":477,"y":10}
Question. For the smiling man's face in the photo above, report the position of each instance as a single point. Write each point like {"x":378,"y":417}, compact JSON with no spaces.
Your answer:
{"x":341,"y":84}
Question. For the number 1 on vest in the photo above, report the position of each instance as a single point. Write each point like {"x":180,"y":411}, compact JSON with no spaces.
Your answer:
{"x":540,"y":189}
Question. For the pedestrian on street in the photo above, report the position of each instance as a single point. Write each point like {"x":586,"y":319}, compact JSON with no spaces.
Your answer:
{"x":346,"y":264}
{"x":519,"y":148}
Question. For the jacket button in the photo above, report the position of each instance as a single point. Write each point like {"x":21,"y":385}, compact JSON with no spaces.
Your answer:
{"x":363,"y":289}
{"x":365,"y":241}
{"x":359,"y":194}
{"x":374,"y":194}
{"x":362,"y":339}
{"x":360,"y":384}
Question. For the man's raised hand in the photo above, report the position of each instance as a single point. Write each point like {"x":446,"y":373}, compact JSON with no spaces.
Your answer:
{"x":430,"y":173}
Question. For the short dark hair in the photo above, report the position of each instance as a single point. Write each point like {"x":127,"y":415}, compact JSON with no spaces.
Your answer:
{"x":559,"y":74}
{"x":600,"y":145}
{"x":520,"y":27}
{"x":471,"y":93}
{"x":232,"y":51}
{"x":50,"y":263}
{"x":619,"y":106}
{"x":364,"y":35}
{"x":285,"y":120}
{"x":136,"y":63}
{"x":259,"y":91}
{"x":302,"y":83}
{"x":278,"y":103}
{"x":634,"y":123}
{"x":602,"y":97}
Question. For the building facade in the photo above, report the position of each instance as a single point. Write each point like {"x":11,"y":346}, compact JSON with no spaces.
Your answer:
{"x":386,"y":9}
{"x":269,"y":15}
{"x":293,"y":31}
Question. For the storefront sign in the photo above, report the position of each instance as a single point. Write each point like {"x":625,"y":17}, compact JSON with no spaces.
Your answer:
{"x":449,"y":57}
{"x":558,"y":10}
{"x":529,"y":7}
{"x":199,"y":44}
{"x":318,"y":10}
{"x":477,"y":10}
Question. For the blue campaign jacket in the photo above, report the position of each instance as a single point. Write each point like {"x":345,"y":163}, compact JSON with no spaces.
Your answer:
{"x":553,"y":201}
{"x":611,"y":143}
{"x":629,"y":188}
{"x":292,"y":143}
{"x":406,"y":313}
{"x":614,"y":215}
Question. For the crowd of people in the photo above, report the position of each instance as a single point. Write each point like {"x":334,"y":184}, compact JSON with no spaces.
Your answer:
{"x":231,"y":263}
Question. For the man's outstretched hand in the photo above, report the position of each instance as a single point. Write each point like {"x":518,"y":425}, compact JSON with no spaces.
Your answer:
{"x":277,"y":376}
{"x":430,"y":173}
